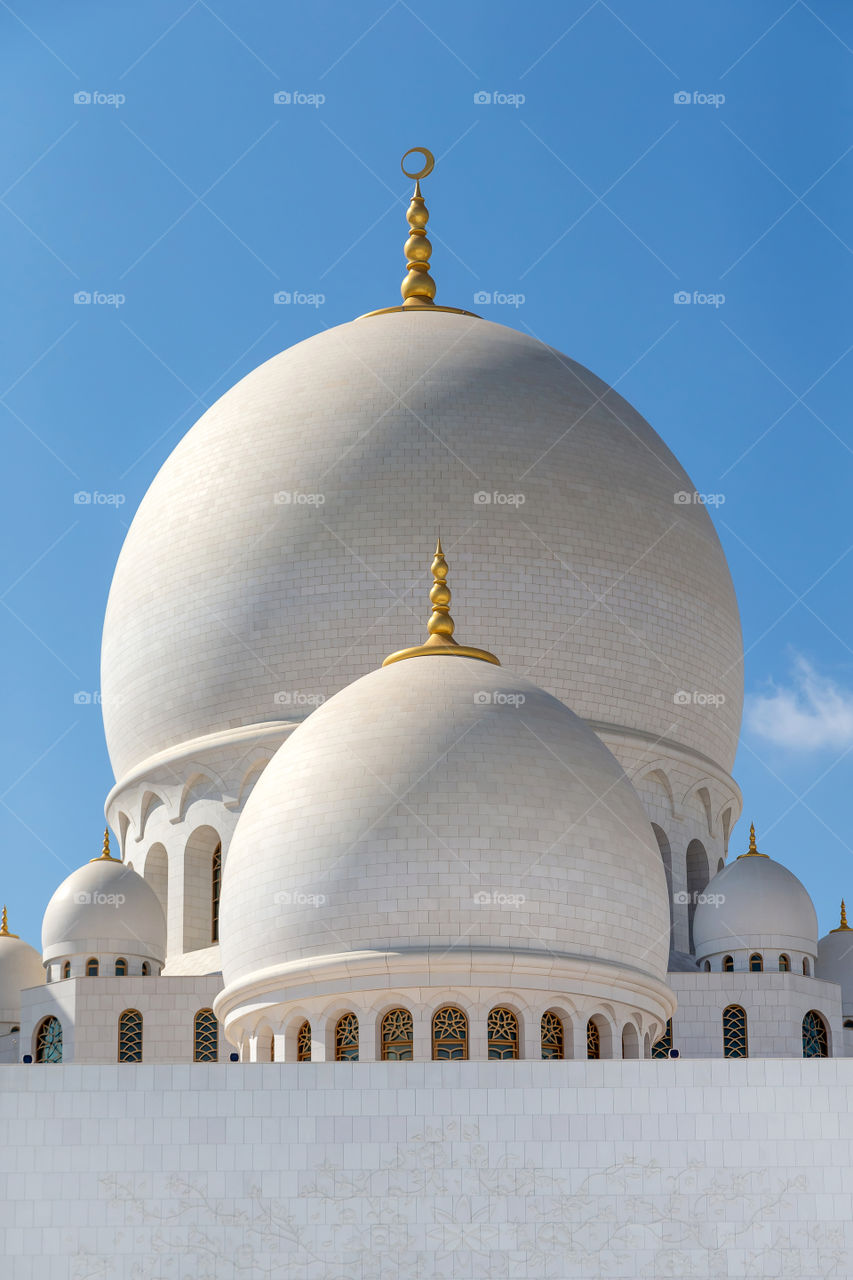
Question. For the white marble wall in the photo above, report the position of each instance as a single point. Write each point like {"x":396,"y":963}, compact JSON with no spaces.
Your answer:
{"x":403,"y":1171}
{"x":775,"y":1004}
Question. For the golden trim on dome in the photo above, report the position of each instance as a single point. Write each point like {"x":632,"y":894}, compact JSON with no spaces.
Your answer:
{"x":843,"y":927}
{"x":106,"y":856}
{"x":440,"y":626}
{"x":418,"y":287}
{"x":751,"y":852}
{"x":4,"y":925}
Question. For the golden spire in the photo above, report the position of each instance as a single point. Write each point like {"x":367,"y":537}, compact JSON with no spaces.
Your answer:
{"x":752,"y":852}
{"x":418,"y":288}
{"x":106,"y":856}
{"x":440,"y":626}
{"x":843,"y":927}
{"x":4,"y":925}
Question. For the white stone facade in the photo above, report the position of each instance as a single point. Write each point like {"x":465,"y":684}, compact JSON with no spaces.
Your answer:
{"x":402,"y":1171}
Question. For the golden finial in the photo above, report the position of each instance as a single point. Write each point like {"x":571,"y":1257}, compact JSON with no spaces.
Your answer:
{"x":4,"y":925}
{"x":418,"y":288}
{"x":106,"y":856}
{"x":752,"y":852}
{"x":440,"y":626}
{"x":843,"y":927}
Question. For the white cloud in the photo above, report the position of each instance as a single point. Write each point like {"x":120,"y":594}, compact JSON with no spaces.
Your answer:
{"x":810,"y":713}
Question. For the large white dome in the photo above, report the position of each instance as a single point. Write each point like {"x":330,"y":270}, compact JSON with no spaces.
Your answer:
{"x":835,"y":962}
{"x":20,"y":967}
{"x":608,"y":592}
{"x":754,"y":903}
{"x":444,"y":807}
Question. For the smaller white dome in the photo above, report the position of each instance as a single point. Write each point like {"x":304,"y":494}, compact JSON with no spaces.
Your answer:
{"x":20,"y":967}
{"x":754,"y":904}
{"x":104,"y":908}
{"x":835,"y":962}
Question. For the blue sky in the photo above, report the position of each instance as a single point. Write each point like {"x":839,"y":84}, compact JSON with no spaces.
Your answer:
{"x":185,"y":196}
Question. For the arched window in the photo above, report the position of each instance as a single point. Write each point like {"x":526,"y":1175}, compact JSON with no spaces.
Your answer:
{"x":815,"y":1037}
{"x":698,"y":875}
{"x":756,"y":963}
{"x":346,"y":1038}
{"x":503,"y":1034}
{"x":215,"y":890}
{"x":449,"y":1034}
{"x":707,"y":966}
{"x":593,"y":1040}
{"x":553,"y":1042}
{"x":66,"y":969}
{"x":784,"y":964}
{"x":49,"y":1041}
{"x":728,"y":964}
{"x":130,"y":1036}
{"x":92,"y":968}
{"x":734,"y":1032}
{"x":661,"y":1048}
{"x":630,"y":1041}
{"x":805,"y":968}
{"x":397,"y":1036}
{"x":146,"y":969}
{"x":121,"y":967}
{"x":205,"y":1036}
{"x":303,"y":1043}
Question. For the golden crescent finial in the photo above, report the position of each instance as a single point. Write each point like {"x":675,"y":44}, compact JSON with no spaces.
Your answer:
{"x":4,"y":925}
{"x":752,"y":851}
{"x":428,"y":167}
{"x":440,"y":626}
{"x":843,"y":926}
{"x":106,"y":856}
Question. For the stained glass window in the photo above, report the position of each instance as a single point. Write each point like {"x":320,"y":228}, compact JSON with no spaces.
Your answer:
{"x":734,"y":1032}
{"x":449,"y":1034}
{"x":593,"y":1040}
{"x":815,"y":1038}
{"x":205,"y":1036}
{"x":130,"y":1036}
{"x":661,"y":1048}
{"x":503,"y":1034}
{"x":303,"y":1043}
{"x":346,"y":1038}
{"x":49,"y":1041}
{"x":397,"y":1036}
{"x":553,"y":1044}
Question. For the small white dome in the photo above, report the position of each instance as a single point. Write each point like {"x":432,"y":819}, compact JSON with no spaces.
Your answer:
{"x":20,"y":967}
{"x":835,"y":962}
{"x":104,"y":908}
{"x":439,"y":806}
{"x":754,"y":903}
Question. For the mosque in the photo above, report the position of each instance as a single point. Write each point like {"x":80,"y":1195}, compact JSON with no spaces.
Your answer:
{"x":350,"y":833}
